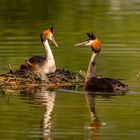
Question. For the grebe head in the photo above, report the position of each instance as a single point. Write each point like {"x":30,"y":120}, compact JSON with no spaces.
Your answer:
{"x":48,"y":34}
{"x":91,"y":41}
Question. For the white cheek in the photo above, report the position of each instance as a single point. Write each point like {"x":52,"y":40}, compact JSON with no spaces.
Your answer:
{"x":50,"y":37}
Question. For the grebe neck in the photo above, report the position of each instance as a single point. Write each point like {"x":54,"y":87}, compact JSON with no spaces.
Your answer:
{"x":91,"y":67}
{"x":49,"y":54}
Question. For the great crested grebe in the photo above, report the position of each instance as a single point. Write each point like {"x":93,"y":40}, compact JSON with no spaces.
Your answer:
{"x":41,"y":65}
{"x":93,"y":83}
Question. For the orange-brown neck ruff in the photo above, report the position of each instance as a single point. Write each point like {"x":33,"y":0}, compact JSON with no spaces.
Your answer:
{"x":47,"y":33}
{"x":96,"y":46}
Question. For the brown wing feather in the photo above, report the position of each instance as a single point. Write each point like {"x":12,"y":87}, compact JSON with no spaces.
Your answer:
{"x":36,"y":60}
{"x":105,"y":84}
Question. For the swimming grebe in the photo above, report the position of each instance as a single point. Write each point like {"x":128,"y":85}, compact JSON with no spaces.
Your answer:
{"x":93,"y":83}
{"x":41,"y":65}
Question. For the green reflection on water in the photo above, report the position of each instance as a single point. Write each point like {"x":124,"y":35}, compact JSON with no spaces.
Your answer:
{"x":116,"y":24}
{"x":72,"y":114}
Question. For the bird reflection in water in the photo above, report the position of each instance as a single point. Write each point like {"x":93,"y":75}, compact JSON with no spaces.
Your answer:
{"x":47,"y":99}
{"x":95,"y":123}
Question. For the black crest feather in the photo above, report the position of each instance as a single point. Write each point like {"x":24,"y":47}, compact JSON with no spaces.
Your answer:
{"x":91,"y":35}
{"x":52,"y":29}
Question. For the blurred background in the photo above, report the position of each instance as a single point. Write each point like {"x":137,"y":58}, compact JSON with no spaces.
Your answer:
{"x":115,"y":22}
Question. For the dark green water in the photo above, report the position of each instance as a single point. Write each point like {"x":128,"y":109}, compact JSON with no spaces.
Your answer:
{"x":40,"y":114}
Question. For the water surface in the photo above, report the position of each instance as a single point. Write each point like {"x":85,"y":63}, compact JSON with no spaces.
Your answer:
{"x":40,"y":114}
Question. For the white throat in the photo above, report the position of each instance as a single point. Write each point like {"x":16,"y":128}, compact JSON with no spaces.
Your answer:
{"x":48,"y":50}
{"x":50,"y":62}
{"x":92,"y":67}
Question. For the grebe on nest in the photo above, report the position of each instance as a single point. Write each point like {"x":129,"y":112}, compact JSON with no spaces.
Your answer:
{"x":41,"y":65}
{"x":93,"y":83}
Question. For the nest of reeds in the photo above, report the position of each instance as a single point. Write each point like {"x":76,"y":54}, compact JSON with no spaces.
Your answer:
{"x":18,"y":80}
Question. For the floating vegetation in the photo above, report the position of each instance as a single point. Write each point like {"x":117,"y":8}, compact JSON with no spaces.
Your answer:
{"x":19,"y":80}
